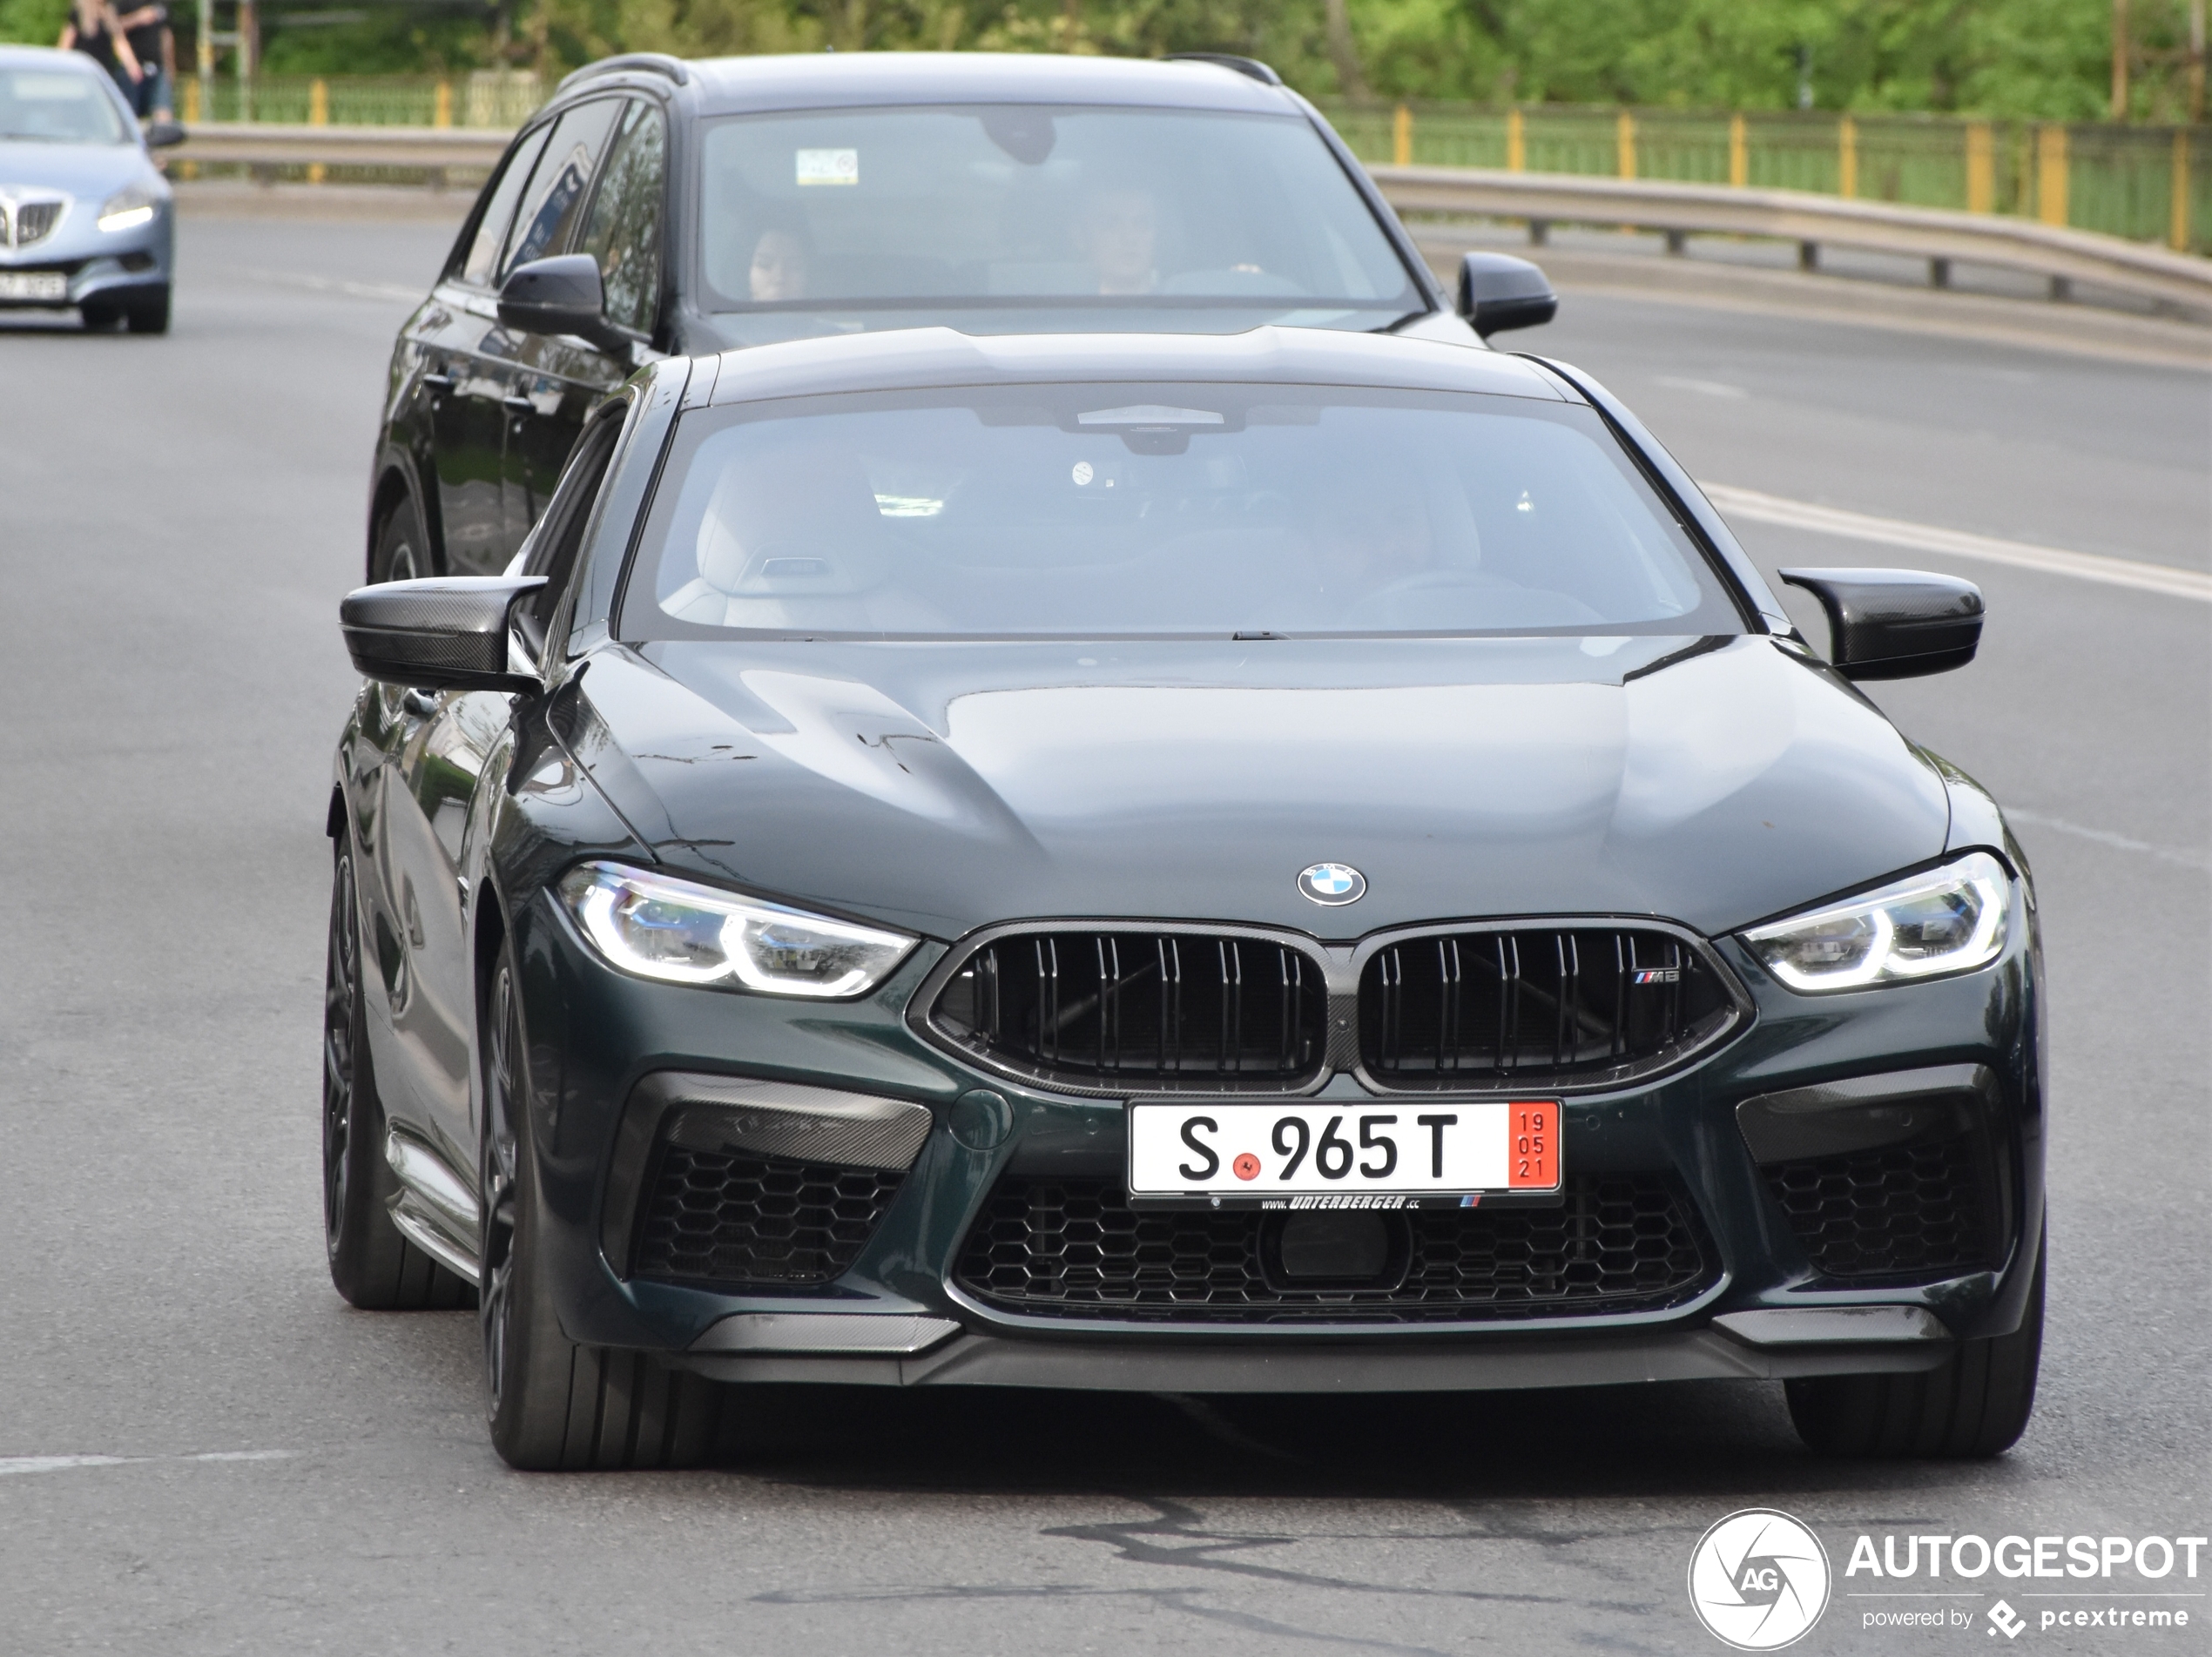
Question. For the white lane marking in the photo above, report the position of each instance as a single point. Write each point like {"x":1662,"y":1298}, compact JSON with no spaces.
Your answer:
{"x":1703,"y":387}
{"x":63,"y":1463}
{"x":2168,"y":579}
{"x":332,"y":284}
{"x":2106,"y":836}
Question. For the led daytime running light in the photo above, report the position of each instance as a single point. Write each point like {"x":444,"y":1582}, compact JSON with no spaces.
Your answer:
{"x":1949,"y":920}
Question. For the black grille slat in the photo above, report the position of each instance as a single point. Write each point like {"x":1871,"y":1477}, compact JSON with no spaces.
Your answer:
{"x":1154,"y":1009}
{"x":1076,"y":1249}
{"x":1551,"y":1006}
{"x":1902,"y":1212}
{"x":712,"y":1216}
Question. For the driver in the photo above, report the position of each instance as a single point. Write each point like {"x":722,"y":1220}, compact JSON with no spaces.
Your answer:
{"x":779,"y":270}
{"x":1118,"y":231}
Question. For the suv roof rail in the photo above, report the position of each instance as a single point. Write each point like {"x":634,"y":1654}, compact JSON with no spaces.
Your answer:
{"x":1250,"y":66}
{"x":653,"y":63}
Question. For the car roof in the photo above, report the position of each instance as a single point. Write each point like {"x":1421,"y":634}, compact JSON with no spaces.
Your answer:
{"x":816,"y":80}
{"x":914,"y":358}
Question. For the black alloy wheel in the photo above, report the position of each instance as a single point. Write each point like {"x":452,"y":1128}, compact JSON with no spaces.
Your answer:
{"x":400,"y":553}
{"x":372,"y":1266}
{"x":1975,"y":1403}
{"x":550,"y":1403}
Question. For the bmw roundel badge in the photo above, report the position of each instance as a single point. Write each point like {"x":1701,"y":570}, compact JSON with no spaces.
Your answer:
{"x":1332,"y":884}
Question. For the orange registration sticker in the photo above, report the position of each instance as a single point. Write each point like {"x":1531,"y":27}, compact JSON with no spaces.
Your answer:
{"x":1532,"y":1154}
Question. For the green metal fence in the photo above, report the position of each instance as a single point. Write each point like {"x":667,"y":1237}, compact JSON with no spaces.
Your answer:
{"x":2148,"y":184}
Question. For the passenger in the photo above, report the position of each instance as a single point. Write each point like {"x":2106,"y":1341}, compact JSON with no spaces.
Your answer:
{"x":154,"y":45}
{"x":91,"y":28}
{"x":1118,"y":232}
{"x":780,"y":267}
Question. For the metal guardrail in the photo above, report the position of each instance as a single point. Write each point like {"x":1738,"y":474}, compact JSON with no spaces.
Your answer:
{"x":1681,"y":210}
{"x":2060,"y":254}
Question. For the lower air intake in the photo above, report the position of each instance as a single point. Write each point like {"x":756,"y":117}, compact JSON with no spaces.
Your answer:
{"x":1904,"y":1211}
{"x":709,"y":1216}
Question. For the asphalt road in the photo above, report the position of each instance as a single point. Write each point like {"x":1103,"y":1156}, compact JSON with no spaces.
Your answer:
{"x":202,"y":1449}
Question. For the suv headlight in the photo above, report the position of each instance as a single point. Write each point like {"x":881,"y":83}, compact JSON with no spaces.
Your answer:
{"x":1949,"y":920}
{"x":128,"y":207}
{"x":658,"y":926}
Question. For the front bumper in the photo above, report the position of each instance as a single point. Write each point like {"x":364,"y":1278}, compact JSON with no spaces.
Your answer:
{"x":95,"y":264}
{"x":900,"y":1316}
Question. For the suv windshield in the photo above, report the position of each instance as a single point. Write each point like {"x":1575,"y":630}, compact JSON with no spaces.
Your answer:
{"x":1162,"y":510}
{"x":58,"y":107}
{"x":1015,"y":218}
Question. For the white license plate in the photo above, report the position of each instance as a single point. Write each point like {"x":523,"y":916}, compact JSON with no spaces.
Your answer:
{"x":33,"y":284}
{"x":1295,"y":1152}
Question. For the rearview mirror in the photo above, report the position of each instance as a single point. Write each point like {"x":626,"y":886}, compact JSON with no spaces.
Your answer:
{"x":447,"y":633}
{"x":1498,"y":291}
{"x":560,"y":295}
{"x":162,"y":135}
{"x":1894,"y":623}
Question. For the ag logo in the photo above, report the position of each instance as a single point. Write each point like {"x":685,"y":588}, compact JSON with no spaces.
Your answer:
{"x":1758,"y":1579}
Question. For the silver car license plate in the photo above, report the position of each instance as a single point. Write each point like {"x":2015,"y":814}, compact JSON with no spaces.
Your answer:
{"x":33,"y":284}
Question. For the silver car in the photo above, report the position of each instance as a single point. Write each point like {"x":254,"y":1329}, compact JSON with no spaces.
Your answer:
{"x":86,"y":220}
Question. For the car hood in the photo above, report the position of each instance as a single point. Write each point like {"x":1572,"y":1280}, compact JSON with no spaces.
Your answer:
{"x":81,"y":170}
{"x":941,"y":787}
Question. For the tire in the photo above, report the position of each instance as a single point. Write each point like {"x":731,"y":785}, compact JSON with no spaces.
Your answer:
{"x":372,"y":1265}
{"x":98,"y":316}
{"x":1976,"y":1404}
{"x":550,"y":1403}
{"x":400,"y":551}
{"x":150,"y":315}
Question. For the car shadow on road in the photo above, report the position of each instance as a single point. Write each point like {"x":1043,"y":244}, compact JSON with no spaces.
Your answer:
{"x":1720,"y":1440}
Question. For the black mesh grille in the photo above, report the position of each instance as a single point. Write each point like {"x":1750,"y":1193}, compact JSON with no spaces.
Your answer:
{"x":1160,"y":1010}
{"x":722,"y":1218}
{"x":1477,"y":1008}
{"x":1075,"y":1248}
{"x":1904,"y":1211}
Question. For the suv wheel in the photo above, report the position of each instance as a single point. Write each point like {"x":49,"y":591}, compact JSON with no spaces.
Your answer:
{"x":553,"y":1403}
{"x":1975,"y":1403}
{"x":400,"y":553}
{"x":371,"y":1263}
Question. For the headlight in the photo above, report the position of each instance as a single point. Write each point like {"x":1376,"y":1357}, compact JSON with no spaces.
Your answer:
{"x":656,"y":926}
{"x":1949,"y":920}
{"x":128,"y":208}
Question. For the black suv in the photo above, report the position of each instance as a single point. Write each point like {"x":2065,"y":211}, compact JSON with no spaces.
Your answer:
{"x":656,"y":206}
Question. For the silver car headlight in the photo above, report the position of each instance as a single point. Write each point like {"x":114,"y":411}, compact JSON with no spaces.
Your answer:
{"x":1949,"y":920}
{"x":658,"y":926}
{"x":128,"y":207}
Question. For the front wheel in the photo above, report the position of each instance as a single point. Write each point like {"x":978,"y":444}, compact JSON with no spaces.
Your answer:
{"x":149,"y":314}
{"x":1975,"y":1403}
{"x":552,"y":1404}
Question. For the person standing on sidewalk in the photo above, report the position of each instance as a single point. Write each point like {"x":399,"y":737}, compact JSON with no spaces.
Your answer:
{"x":91,"y":28}
{"x":155,"y":47}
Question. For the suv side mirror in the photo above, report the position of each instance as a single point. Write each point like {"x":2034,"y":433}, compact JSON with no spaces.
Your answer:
{"x":561,"y":295}
{"x":1894,"y":623}
{"x":163,"y":135}
{"x":1498,"y":291}
{"x":447,"y":633}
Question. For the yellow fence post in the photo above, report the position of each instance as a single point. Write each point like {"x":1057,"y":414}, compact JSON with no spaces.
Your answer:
{"x":2050,"y":174}
{"x":1981,"y":168}
{"x":1739,"y":152}
{"x":1625,"y":137}
{"x":1516,"y":142}
{"x":1401,"y":137}
{"x":441,"y":111}
{"x":192,"y":102}
{"x":1847,"y":158}
{"x":2177,"y":212}
{"x":318,"y":115}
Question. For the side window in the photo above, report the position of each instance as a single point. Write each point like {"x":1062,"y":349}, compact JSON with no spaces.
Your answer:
{"x":560,"y":532}
{"x":555,"y":198}
{"x":624,"y":232}
{"x":499,"y":210}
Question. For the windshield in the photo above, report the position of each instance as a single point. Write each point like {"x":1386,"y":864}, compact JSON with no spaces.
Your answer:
{"x":1163,"y":510}
{"x":1018,"y":218}
{"x":56,"y":105}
